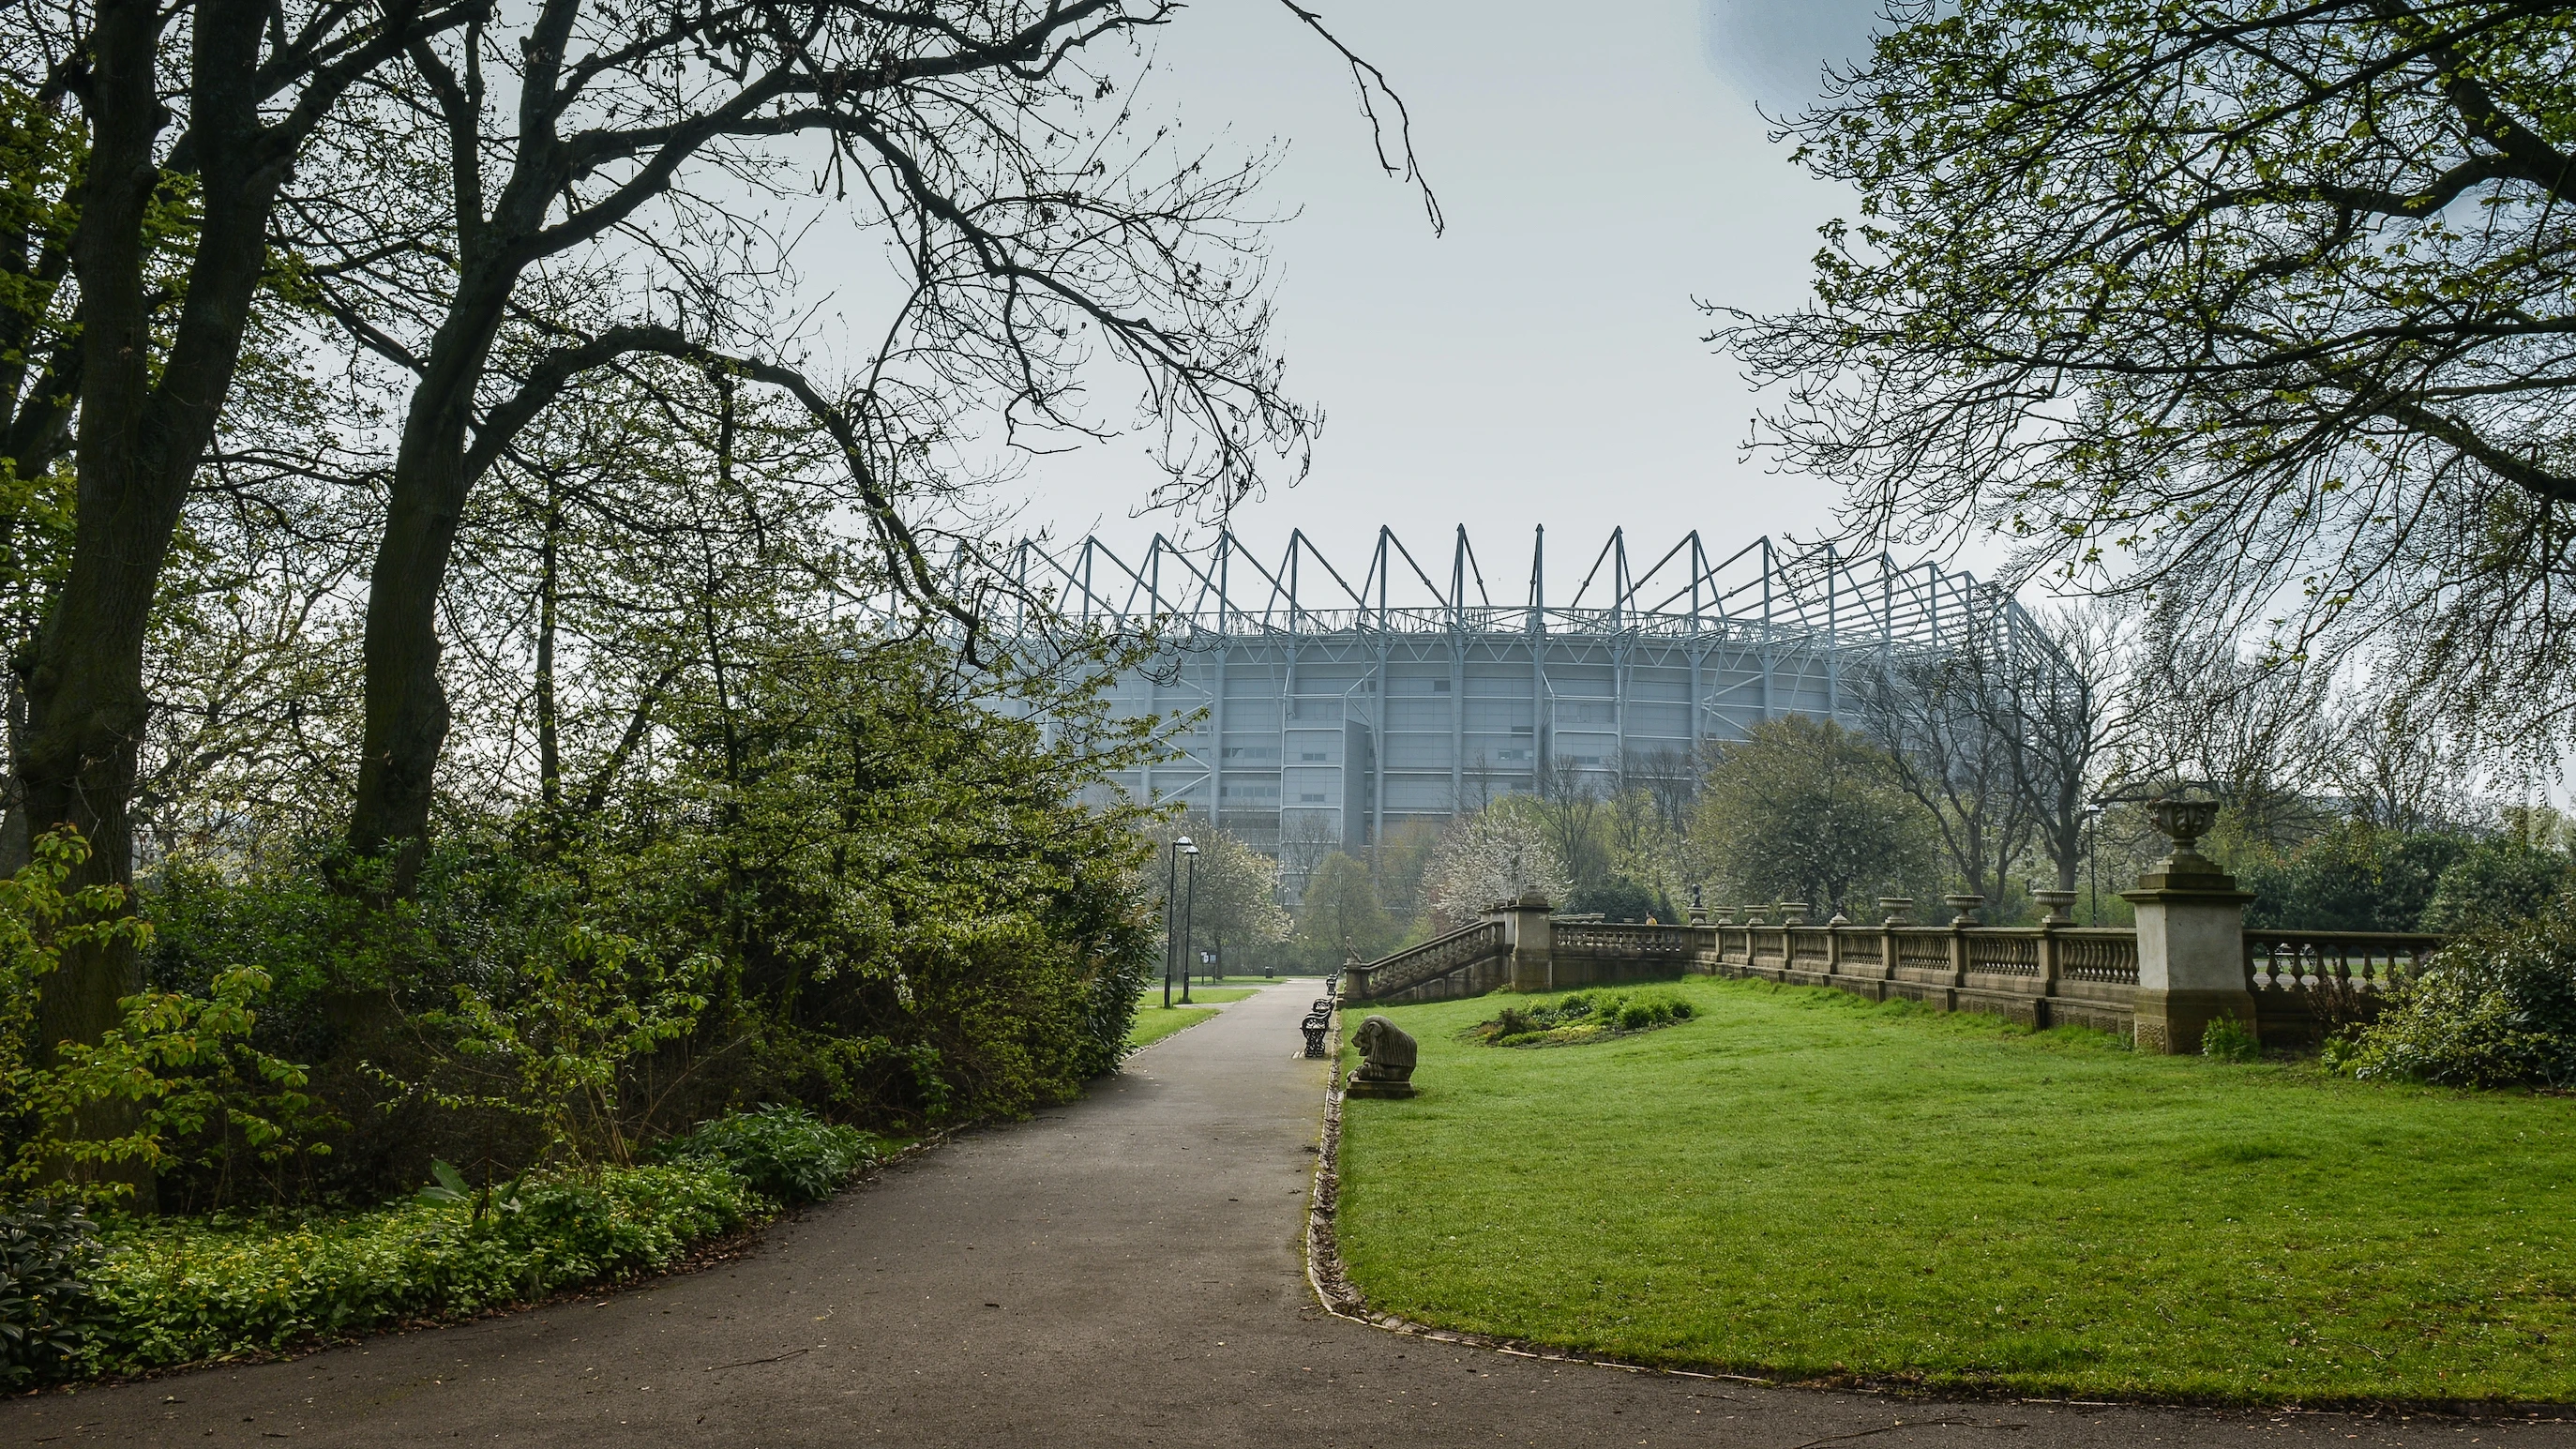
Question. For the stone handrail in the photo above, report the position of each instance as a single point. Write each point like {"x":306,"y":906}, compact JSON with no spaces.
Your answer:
{"x":2045,"y":953}
{"x":1605,"y":938}
{"x":2333,"y":960}
{"x":2107,"y":954}
{"x":1436,"y":957}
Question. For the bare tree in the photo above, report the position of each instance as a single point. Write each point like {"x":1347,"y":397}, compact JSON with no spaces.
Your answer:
{"x":601,"y":204}
{"x":2061,"y":718}
{"x":1949,"y":724}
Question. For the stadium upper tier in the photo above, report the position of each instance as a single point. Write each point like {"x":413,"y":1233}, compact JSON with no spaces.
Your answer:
{"x":1326,"y":706}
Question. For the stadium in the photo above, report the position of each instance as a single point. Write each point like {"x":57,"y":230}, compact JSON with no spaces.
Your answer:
{"x":1329,"y":705}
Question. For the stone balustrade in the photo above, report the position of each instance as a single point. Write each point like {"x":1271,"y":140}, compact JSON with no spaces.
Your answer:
{"x":2189,"y":960}
{"x":2048,"y":975}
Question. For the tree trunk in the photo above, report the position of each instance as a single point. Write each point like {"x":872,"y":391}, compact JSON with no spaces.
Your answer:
{"x":138,"y":444}
{"x":549,"y":729}
{"x":406,"y":716}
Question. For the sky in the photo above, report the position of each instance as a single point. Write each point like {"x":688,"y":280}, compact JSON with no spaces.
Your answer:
{"x":1603,"y":169}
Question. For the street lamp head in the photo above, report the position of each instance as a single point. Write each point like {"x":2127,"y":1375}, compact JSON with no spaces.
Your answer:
{"x":1187,"y":848}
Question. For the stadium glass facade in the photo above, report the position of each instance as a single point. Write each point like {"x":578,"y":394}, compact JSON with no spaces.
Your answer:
{"x":1312,"y":703}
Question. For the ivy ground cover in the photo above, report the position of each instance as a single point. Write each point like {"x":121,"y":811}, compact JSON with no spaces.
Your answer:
{"x":1805,"y":1184}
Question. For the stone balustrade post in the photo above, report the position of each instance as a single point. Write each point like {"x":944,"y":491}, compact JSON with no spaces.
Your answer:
{"x":1533,"y":938}
{"x":2191,"y":938}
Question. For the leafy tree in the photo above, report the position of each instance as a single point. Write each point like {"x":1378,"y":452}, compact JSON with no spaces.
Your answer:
{"x":1232,"y":892}
{"x":2355,"y":877}
{"x":1493,"y":855}
{"x":1804,"y":809}
{"x":193,"y":119}
{"x":1340,"y":916}
{"x":2261,"y":309}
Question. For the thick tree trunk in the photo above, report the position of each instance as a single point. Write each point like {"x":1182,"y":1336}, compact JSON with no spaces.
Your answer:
{"x":139,"y":441}
{"x":406,"y":717}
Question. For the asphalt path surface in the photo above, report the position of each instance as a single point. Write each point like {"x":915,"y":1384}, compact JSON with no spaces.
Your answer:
{"x":1126,"y":1270}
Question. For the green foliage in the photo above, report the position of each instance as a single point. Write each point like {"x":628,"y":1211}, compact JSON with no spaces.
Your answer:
{"x":1581,"y":1017}
{"x":48,"y":1255}
{"x":785,"y":1153}
{"x":1619,"y":899}
{"x":865,"y":883}
{"x":2495,"y":882}
{"x":185,"y":1060}
{"x":552,"y":1050}
{"x":2495,"y":1007}
{"x":187,"y":1290}
{"x":1339,"y":916}
{"x":2354,"y":877}
{"x":2225,"y":1039}
{"x":1806,"y":810}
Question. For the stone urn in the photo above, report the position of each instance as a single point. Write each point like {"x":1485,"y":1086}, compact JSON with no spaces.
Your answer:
{"x":1895,"y":909}
{"x":1965,"y":904}
{"x":2060,"y":905}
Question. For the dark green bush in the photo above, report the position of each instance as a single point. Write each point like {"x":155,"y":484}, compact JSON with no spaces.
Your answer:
{"x":2495,"y":882}
{"x":2496,"y":1007}
{"x":786,"y":1153}
{"x":48,"y":1254}
{"x":1619,"y":899}
{"x":2355,"y":877}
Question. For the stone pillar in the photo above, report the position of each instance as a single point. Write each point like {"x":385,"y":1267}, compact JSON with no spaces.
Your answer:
{"x":1532,"y":935}
{"x":2191,"y":938}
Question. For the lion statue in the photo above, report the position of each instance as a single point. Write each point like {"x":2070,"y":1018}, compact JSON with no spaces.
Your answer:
{"x":1386,"y":1061}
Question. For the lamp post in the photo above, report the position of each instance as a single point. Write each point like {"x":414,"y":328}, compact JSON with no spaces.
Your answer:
{"x":1171,"y":893}
{"x":1189,"y":900}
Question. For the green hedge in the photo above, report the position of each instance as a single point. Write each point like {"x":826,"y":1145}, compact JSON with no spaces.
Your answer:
{"x":183,"y":1291}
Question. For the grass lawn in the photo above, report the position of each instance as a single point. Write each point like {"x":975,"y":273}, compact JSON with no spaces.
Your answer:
{"x":1804,"y":1183}
{"x":1155,"y":1021}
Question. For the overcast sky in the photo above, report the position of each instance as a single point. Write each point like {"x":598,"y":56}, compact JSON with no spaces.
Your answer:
{"x":1601,"y":167}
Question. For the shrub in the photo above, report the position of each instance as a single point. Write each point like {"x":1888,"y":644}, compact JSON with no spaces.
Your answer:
{"x":2226,"y":1039}
{"x":786,"y":1153}
{"x":187,"y":1290}
{"x":1620,"y":899}
{"x":2356,"y":877}
{"x":47,"y":1254}
{"x":1580,"y":1017}
{"x":2495,"y":1007}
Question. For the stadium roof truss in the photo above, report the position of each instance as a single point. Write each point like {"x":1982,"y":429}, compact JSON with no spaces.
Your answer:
{"x":1317,"y":691}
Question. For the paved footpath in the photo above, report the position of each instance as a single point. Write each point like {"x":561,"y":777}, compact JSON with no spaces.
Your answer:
{"x":1123,"y":1271}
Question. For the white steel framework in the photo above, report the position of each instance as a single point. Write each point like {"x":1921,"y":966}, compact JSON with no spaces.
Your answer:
{"x":1328,"y":710}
